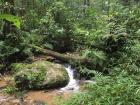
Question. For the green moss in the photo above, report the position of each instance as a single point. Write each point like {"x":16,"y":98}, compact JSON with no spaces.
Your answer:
{"x":17,"y":67}
{"x":40,"y":74}
{"x":30,"y":74}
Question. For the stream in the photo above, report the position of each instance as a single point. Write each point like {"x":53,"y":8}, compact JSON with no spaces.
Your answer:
{"x":73,"y":84}
{"x":50,"y":97}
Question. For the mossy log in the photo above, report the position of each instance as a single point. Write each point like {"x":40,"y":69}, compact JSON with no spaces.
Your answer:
{"x":64,"y":57}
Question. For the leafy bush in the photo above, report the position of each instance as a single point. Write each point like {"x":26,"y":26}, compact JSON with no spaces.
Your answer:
{"x":121,"y":48}
{"x":107,"y":31}
{"x":10,"y":90}
{"x":31,"y":20}
{"x":58,"y":28}
{"x":109,"y":90}
{"x":99,"y":59}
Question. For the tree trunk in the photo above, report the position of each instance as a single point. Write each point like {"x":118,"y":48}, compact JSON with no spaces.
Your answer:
{"x":64,"y":57}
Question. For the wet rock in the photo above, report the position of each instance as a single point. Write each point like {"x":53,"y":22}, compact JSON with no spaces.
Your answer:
{"x":6,"y":100}
{"x":3,"y":84}
{"x":40,"y":74}
{"x":71,"y":88}
{"x":39,"y":103}
{"x":15,"y":102}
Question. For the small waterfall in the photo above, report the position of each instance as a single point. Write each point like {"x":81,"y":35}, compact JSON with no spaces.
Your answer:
{"x":73,"y":84}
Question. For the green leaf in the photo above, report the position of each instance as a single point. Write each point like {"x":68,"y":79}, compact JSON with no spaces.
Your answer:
{"x":11,"y":18}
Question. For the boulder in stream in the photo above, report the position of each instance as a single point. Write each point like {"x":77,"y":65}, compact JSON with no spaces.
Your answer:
{"x":39,"y":75}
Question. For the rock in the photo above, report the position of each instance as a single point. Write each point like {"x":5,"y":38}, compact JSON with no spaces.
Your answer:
{"x":15,"y":102}
{"x":40,"y":74}
{"x":7,"y":100}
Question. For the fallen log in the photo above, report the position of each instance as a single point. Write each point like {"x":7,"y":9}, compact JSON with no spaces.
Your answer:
{"x":64,"y":57}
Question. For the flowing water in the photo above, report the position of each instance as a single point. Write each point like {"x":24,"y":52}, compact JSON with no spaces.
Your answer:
{"x":49,"y":97}
{"x":73,"y":84}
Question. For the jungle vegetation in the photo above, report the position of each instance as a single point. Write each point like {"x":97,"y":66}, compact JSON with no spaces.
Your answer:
{"x":105,"y":31}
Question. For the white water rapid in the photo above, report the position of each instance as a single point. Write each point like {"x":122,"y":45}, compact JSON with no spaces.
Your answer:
{"x":73,"y":84}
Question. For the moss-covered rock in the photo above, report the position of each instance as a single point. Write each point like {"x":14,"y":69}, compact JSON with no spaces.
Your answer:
{"x":40,"y":74}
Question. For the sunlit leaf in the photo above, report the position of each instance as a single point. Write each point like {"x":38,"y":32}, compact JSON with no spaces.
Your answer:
{"x":16,"y":21}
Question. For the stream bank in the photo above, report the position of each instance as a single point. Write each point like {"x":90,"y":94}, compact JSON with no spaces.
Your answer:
{"x":41,"y":97}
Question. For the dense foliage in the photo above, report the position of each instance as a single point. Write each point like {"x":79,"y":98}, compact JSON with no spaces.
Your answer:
{"x":107,"y":31}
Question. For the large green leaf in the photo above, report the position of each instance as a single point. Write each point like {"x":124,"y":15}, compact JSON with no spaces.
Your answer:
{"x":14,"y":19}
